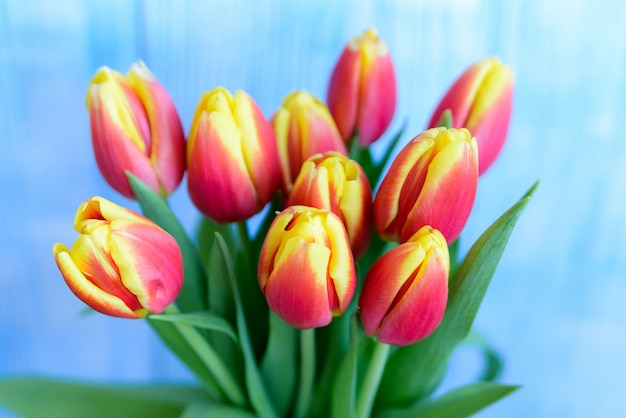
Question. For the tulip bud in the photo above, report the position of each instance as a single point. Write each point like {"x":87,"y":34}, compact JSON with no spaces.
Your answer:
{"x":362,"y":89}
{"x":135,"y":127}
{"x":306,"y":269}
{"x":405,"y":292}
{"x":432,"y":181}
{"x":336,"y":183}
{"x":233,"y":169}
{"x":481,"y":100}
{"x":122,"y":264}
{"x":303,"y":127}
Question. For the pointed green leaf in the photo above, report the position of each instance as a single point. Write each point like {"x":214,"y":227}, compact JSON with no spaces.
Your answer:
{"x":279,"y":365}
{"x":256,"y":388}
{"x":36,"y":397}
{"x":172,"y":338}
{"x":414,"y":372}
{"x":210,"y":410}
{"x":445,"y":121}
{"x":493,"y":362}
{"x":458,"y":403}
{"x":154,"y":207}
{"x":344,"y":388}
{"x":337,"y":336}
{"x":204,"y":320}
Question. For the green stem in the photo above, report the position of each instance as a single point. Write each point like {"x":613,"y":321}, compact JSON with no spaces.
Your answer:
{"x":211,"y":360}
{"x":244,"y":236}
{"x":307,"y":372}
{"x":373,"y":375}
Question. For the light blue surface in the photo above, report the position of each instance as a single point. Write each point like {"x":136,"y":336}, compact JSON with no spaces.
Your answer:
{"x":556,"y":308}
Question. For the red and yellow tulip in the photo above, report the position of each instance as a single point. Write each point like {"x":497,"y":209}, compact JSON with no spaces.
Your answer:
{"x":122,"y":264}
{"x":135,"y":126}
{"x":432,"y":181}
{"x":306,"y":269}
{"x":334,"y":182}
{"x":362,"y":89}
{"x":303,"y":127}
{"x":481,"y":100}
{"x":405,"y":292}
{"x":233,"y":169}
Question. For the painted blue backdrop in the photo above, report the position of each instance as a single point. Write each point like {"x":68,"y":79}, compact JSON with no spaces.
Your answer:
{"x":556,"y":308}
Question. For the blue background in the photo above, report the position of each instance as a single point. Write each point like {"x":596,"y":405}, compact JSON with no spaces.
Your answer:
{"x":556,"y":307}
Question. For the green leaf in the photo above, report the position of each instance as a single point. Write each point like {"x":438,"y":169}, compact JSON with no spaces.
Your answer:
{"x":219,"y":298}
{"x":458,"y":403}
{"x":154,"y":207}
{"x":37,"y":397}
{"x":415,"y":371}
{"x":204,"y":320}
{"x":209,"y":410}
{"x":171,"y":336}
{"x":279,"y":365}
{"x":256,"y":388}
{"x":493,"y":362}
{"x":445,"y":121}
{"x":343,"y":394}
{"x":337,"y":336}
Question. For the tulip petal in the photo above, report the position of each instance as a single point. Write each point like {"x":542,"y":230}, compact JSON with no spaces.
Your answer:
{"x":297,"y":288}
{"x":116,"y":151}
{"x":89,"y":293}
{"x":341,"y":268}
{"x":98,"y":208}
{"x":258,"y":144}
{"x":491,"y":115}
{"x":377,"y":93}
{"x":149,"y":261}
{"x":343,"y":91}
{"x":382,"y":283}
{"x":446,"y":198}
{"x":421,"y":308}
{"x":167,"y":154}
{"x":219,"y":183}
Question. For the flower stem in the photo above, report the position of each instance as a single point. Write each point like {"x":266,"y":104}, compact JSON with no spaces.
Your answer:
{"x":244,"y":236}
{"x":307,"y":372}
{"x":211,"y":360}
{"x":374,"y":373}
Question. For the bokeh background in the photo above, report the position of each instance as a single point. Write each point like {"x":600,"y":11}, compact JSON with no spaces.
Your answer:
{"x":556,"y":308}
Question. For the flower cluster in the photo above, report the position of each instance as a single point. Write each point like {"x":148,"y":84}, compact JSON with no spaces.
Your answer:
{"x":339,"y":237}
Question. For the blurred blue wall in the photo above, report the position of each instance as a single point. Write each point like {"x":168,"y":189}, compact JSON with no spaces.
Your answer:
{"x":556,"y":308}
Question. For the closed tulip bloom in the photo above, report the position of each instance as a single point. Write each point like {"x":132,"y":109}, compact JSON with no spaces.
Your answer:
{"x":334,"y":182}
{"x":303,"y":127}
{"x":432,"y":181}
{"x":122,"y":264}
{"x":405,"y":291}
{"x":233,"y":169}
{"x":306,"y":269}
{"x":135,"y":126}
{"x":481,"y":100}
{"x":362,"y":89}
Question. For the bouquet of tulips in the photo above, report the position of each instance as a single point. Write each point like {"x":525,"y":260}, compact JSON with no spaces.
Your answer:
{"x":323,"y":280}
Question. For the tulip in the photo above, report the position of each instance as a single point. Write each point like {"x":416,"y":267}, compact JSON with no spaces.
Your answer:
{"x":306,"y":269}
{"x":336,"y":183}
{"x":362,"y":89}
{"x":432,"y":181}
{"x":122,"y":264}
{"x":303,"y":127}
{"x":405,"y":292}
{"x":233,"y":169}
{"x":481,"y":100}
{"x":135,"y":127}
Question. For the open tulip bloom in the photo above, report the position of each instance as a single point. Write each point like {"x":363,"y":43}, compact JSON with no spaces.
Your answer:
{"x":335,"y":301}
